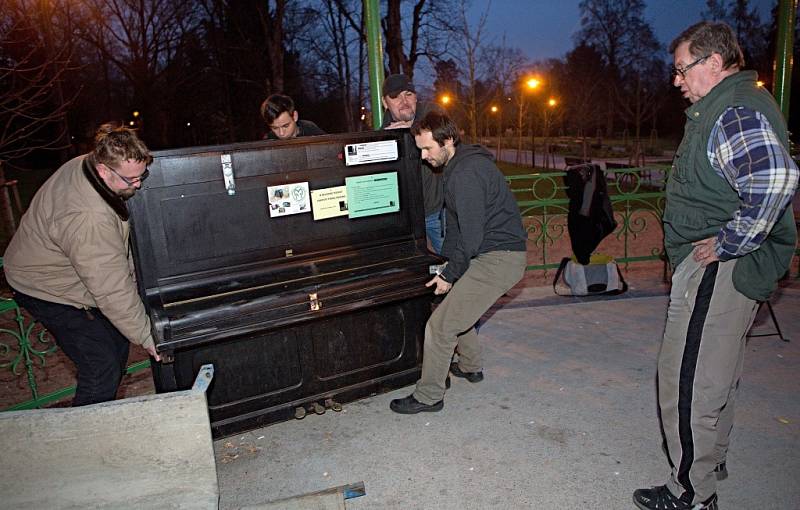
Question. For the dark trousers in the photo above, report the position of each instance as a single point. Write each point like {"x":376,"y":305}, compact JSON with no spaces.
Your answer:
{"x":88,"y":338}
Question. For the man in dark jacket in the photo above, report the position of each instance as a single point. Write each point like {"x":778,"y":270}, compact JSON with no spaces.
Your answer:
{"x":486,"y":250}
{"x":282,"y":119}
{"x":730,"y":236}
{"x":400,"y":100}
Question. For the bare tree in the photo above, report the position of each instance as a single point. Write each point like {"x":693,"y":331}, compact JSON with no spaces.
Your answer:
{"x":468,"y":41}
{"x":342,"y":33}
{"x":613,"y":27}
{"x":32,"y":115}
{"x":506,"y":66}
{"x":426,"y":35}
{"x":272,"y":21}
{"x":581,"y":79}
{"x":643,"y":88}
{"x":32,"y":108}
{"x":140,"y":39}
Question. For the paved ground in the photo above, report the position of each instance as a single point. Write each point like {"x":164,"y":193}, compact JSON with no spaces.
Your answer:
{"x":564,"y":419}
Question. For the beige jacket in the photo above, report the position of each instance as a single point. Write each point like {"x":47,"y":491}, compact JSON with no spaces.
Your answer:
{"x":72,"y":248}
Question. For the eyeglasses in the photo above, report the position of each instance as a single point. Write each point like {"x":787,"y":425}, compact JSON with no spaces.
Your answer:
{"x":682,"y":71}
{"x":127,"y":180}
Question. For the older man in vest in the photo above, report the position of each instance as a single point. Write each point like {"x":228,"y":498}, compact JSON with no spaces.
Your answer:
{"x":730,"y":236}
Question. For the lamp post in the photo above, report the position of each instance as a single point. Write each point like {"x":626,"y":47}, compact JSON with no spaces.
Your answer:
{"x":551,"y":104}
{"x":533,"y":84}
{"x":495,"y":110}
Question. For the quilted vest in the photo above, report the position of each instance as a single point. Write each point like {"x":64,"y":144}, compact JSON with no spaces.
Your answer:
{"x":700,"y":202}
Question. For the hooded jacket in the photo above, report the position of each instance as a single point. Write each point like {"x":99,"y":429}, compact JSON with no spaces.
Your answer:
{"x":72,"y":248}
{"x":482,"y":215}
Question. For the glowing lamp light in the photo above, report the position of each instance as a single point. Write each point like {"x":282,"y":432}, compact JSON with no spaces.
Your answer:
{"x":533,"y":83}
{"x":445,"y":99}
{"x":136,"y":113}
{"x":551,"y":102}
{"x":494,"y":109}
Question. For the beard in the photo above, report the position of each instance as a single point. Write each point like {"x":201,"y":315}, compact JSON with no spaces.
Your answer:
{"x":440,"y":161}
{"x":126,"y":193}
{"x":404,"y":115}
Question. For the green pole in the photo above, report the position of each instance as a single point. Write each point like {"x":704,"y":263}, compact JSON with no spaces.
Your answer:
{"x":782,"y":86}
{"x":375,"y":53}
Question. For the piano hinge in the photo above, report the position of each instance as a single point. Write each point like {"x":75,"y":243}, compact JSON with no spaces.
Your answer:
{"x":315,"y":303}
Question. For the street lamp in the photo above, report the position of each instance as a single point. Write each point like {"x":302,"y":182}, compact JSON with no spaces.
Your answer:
{"x":445,"y":99}
{"x":532,"y":85}
{"x":551,"y":104}
{"x":494,"y":109}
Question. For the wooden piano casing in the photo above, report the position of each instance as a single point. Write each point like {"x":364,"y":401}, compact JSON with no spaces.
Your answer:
{"x":289,"y":310}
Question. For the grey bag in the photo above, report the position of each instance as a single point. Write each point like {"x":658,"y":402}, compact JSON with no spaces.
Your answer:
{"x":600,"y":276}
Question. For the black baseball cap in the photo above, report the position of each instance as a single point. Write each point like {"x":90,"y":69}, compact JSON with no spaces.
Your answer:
{"x":397,"y":83}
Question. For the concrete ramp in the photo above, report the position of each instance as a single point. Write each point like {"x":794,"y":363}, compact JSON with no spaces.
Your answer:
{"x":153,"y":451}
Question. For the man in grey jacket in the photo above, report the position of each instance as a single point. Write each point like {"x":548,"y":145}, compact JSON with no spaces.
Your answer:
{"x":485,"y":246}
{"x":69,"y":264}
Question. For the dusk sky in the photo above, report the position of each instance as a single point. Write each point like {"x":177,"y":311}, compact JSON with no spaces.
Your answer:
{"x":544,"y":28}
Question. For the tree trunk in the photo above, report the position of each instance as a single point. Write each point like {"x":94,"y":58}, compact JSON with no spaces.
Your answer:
{"x":393,"y":33}
{"x":275,"y":50}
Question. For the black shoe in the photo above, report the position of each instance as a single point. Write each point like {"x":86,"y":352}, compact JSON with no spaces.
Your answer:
{"x":472,"y":377}
{"x":721,"y":471}
{"x":447,"y":383}
{"x":660,"y":498}
{"x":410,"y":405}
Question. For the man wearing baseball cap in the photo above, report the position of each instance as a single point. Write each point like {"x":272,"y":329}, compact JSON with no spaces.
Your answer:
{"x":400,"y":100}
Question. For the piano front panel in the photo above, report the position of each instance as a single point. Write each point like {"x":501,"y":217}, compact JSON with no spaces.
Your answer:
{"x":358,"y":342}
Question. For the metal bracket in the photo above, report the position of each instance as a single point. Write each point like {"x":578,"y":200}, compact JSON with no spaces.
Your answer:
{"x":203,"y":379}
{"x":227,"y":173}
{"x":315,"y":303}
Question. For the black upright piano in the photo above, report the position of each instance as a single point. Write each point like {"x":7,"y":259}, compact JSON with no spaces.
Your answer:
{"x":297,"y":268}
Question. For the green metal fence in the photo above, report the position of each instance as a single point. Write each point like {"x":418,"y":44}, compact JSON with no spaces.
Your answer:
{"x":637,"y":196}
{"x":33,"y":346}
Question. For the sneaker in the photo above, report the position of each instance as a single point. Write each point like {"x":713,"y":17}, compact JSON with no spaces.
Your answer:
{"x":472,"y":377}
{"x":660,"y":498}
{"x":721,"y":471}
{"x":410,"y":405}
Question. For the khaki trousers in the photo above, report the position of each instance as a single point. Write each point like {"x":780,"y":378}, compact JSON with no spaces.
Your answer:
{"x":490,"y":275}
{"x":699,"y":368}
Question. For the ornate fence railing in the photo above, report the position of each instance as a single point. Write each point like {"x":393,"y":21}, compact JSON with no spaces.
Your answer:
{"x":637,"y":196}
{"x":25,"y":349}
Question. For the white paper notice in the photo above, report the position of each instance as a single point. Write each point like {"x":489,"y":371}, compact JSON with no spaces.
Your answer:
{"x":370,"y":152}
{"x":288,"y":199}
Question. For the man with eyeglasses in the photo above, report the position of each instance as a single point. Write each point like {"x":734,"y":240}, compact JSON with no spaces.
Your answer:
{"x":69,"y":264}
{"x":730,"y":236}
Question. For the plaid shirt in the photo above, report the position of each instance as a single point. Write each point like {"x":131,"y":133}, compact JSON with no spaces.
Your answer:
{"x":744,"y":150}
